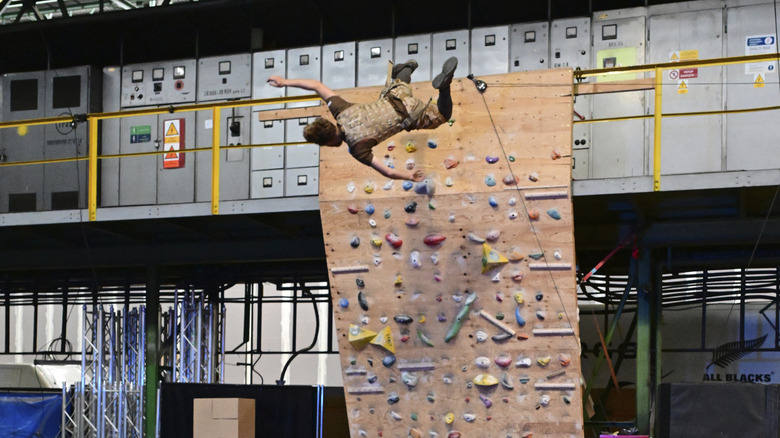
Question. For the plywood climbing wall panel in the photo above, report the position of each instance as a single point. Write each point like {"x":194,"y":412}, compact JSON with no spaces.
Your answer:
{"x":455,"y":298}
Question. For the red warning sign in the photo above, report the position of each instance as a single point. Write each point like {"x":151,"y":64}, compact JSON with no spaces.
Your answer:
{"x":173,"y":144}
{"x":689,"y":73}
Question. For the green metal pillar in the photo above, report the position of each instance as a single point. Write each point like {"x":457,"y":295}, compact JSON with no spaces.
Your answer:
{"x":152,"y":351}
{"x":644,"y":310}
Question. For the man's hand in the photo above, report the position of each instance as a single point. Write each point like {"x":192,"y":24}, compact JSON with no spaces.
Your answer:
{"x":276,"y":81}
{"x":417,"y":176}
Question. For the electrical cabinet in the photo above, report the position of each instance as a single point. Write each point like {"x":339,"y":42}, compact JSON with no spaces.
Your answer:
{"x":676,"y":33}
{"x":21,"y":187}
{"x":750,"y":137}
{"x":163,"y":83}
{"x":448,"y":44}
{"x":417,"y":47}
{"x":223,"y":78}
{"x":53,"y":93}
{"x":267,"y":64}
{"x":617,"y":149}
{"x":339,"y":65}
{"x":490,"y":50}
{"x":570,"y":48}
{"x":302,"y":181}
{"x":303,"y":63}
{"x":373,"y":57}
{"x":267,"y":184}
{"x":529,"y":46}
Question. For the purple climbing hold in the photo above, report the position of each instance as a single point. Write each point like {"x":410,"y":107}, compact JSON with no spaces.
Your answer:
{"x":491,"y":159}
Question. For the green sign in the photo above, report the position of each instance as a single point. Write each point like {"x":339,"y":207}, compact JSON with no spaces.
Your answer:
{"x":140,"y":134}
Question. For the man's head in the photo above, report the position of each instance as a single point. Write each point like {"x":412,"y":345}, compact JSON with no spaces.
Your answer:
{"x":322,"y":132}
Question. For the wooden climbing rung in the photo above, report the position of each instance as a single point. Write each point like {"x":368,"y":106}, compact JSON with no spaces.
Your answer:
{"x":560,"y":331}
{"x":349,"y":269}
{"x":549,"y":266}
{"x":490,"y":318}
{"x":546,"y":386}
{"x":547,"y":195}
{"x":373,"y":389}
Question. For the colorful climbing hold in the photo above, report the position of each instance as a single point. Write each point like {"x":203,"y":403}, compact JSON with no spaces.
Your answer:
{"x":394,"y":240}
{"x":424,"y":338}
{"x":434,"y":239}
{"x":510,"y":180}
{"x":512,"y":158}
{"x":344,"y":303}
{"x":449,"y":418}
{"x":407,"y":185}
{"x":414,"y":258}
{"x":536,"y":255}
{"x":490,"y":180}
{"x":491,"y":159}
{"x":482,"y":362}
{"x":412,"y":221}
{"x":390,"y":146}
{"x":432,"y":144}
{"x":403,"y":319}
{"x":355,"y":242}
{"x":554,"y":213}
{"x":411,"y":207}
{"x":360,"y":283}
{"x":519,"y":318}
{"x":503,"y":361}
{"x":384,"y":339}
{"x":491,"y":258}
{"x":485,"y":380}
{"x":493,"y":235}
{"x":359,"y":337}
{"x":369,"y":187}
{"x":410,"y":146}
{"x":451,"y":163}
{"x":393,"y":398}
{"x":376,"y":242}
{"x":543,"y":361}
{"x":492,"y":201}
{"x":362,"y":300}
{"x":533,"y":176}
{"x":388,"y":213}
{"x":352,"y":209}
{"x":388,"y":361}
{"x":486,"y":401}
{"x":474,"y":238}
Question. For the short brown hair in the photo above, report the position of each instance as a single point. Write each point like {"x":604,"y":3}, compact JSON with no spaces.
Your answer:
{"x":319,"y":131}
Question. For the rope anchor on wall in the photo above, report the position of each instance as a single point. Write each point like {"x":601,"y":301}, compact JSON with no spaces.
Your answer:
{"x":479,"y":83}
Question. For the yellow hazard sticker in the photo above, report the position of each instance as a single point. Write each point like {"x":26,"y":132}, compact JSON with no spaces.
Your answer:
{"x":758,"y":81}
{"x":682,"y":88}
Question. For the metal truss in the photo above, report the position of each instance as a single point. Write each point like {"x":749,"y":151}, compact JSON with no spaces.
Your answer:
{"x":108,"y":401}
{"x":16,"y":11}
{"x":196,"y":335}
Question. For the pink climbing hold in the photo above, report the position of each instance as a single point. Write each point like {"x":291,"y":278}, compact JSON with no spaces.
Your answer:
{"x":352,"y":209}
{"x":434,"y":239}
{"x":394,"y":240}
{"x":503,"y":361}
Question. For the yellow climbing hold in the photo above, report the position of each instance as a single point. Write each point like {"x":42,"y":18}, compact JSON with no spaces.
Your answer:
{"x":410,"y":147}
{"x":360,"y":337}
{"x":384,"y":339}
{"x":491,"y":258}
{"x":485,"y":380}
{"x":377,"y":242}
{"x":449,"y":418}
{"x":398,"y":280}
{"x":369,"y":188}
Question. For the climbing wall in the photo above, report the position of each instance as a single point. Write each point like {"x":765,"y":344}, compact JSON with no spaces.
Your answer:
{"x":454,"y":298}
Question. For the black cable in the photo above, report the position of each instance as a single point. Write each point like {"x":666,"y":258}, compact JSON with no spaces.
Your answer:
{"x":304,"y":291}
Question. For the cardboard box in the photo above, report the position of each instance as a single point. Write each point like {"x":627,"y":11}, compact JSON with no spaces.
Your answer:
{"x":223,"y":418}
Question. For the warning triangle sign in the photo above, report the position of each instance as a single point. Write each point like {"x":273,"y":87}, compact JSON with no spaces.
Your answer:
{"x":759,"y":82}
{"x":171,"y":155}
{"x":171,"y":130}
{"x":674,"y":57}
{"x":682,"y":88}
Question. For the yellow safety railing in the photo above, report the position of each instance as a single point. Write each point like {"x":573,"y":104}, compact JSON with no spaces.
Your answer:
{"x":92,"y":120}
{"x":658,"y":114}
{"x":93,"y":157}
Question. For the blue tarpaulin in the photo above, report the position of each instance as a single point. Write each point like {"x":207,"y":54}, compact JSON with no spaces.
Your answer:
{"x":27,"y":415}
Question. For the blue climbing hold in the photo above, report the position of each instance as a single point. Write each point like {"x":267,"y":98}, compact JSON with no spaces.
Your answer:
{"x":492,"y":201}
{"x":370,"y":209}
{"x":490,"y":181}
{"x":343,"y":303}
{"x":432,"y":144}
{"x":408,"y":185}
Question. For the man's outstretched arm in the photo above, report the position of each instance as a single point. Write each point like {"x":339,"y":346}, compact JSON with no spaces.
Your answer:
{"x":389,"y":172}
{"x":306,"y":84}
